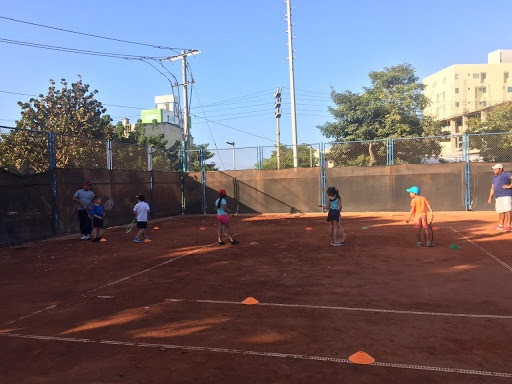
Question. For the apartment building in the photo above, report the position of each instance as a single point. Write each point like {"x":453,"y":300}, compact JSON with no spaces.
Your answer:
{"x":461,"y":91}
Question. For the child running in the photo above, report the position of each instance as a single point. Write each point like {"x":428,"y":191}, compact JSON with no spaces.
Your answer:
{"x":141,"y":210}
{"x":97,"y":219}
{"x":334,"y":217}
{"x":419,"y":205}
{"x":223,"y":219}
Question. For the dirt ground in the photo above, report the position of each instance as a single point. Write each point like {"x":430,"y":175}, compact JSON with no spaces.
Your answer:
{"x":170,"y":311}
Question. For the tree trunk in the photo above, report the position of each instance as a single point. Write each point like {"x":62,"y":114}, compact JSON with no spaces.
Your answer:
{"x":373,"y":160}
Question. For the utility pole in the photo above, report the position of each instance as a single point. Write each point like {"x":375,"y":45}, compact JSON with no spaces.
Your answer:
{"x":186,"y":114}
{"x":234,"y":153}
{"x":292,"y":81}
{"x":277,"y":115}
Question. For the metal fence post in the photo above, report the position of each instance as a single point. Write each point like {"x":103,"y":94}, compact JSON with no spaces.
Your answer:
{"x":150,"y":158}
{"x":184,"y":153}
{"x":467,"y":171}
{"x":52,"y":163}
{"x":109,"y":155}
{"x":203,"y":179}
{"x":322,"y":174}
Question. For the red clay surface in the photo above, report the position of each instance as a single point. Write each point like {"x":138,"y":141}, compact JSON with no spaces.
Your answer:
{"x":104,"y":293}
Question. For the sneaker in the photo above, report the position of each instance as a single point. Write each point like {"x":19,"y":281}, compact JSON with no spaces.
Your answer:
{"x":234,"y":242}
{"x":500,"y":228}
{"x":146,"y":237}
{"x":96,"y":240}
{"x":84,"y":237}
{"x":88,"y":237}
{"x":418,"y":243}
{"x":430,"y":244}
{"x":221,"y":243}
{"x":508,"y":228}
{"x":137,"y":240}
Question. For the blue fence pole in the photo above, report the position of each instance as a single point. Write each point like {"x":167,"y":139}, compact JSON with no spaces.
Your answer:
{"x":467,"y":171}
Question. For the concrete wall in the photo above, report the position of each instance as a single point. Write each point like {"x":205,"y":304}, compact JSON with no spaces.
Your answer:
{"x":363,"y":189}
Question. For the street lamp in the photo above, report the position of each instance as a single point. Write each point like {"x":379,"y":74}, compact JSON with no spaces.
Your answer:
{"x":234,"y":160}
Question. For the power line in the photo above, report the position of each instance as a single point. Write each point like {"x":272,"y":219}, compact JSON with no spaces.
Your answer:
{"x":235,"y":129}
{"x":78,"y":51}
{"x":90,"y":35}
{"x":110,"y":105}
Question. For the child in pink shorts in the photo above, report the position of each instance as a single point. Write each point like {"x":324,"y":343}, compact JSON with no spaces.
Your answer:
{"x":419,"y":205}
{"x":223,"y":219}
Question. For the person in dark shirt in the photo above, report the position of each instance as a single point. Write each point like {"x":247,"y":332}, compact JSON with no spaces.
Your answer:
{"x":501,"y":190}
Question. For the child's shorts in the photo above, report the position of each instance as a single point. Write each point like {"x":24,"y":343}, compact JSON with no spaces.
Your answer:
{"x":142,"y":224}
{"x":224,"y":219}
{"x":97,"y":223}
{"x":420,"y":221}
{"x":333,"y":215}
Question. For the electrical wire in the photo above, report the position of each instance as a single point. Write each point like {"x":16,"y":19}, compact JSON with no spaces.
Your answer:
{"x":91,"y":35}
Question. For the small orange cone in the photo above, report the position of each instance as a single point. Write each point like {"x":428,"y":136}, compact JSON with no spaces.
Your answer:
{"x":250,"y":301}
{"x":361,"y":358}
{"x":147,"y":240}
{"x":202,"y":228}
{"x":309,"y":229}
{"x":436,"y":228}
{"x":156,"y":228}
{"x":103,"y":240}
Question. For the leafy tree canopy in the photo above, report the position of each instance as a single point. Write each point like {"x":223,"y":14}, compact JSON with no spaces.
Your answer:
{"x":307,"y":156}
{"x":391,"y":107}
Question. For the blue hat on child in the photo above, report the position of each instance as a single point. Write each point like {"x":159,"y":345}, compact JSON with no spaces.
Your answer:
{"x":415,"y":190}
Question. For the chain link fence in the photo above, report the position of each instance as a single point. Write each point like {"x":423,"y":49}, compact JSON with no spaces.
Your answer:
{"x":491,"y":147}
{"x":80,"y":152}
{"x":282,"y":157}
{"x":426,"y":150}
{"x":24,"y":152}
{"x":356,"y":153}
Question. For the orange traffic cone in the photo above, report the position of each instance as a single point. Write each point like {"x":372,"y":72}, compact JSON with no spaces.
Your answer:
{"x":250,"y":301}
{"x":361,"y":358}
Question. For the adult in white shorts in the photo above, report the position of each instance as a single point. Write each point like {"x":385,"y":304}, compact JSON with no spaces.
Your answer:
{"x":501,"y":189}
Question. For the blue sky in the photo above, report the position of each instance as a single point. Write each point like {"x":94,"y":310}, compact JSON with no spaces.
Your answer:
{"x":243,"y":54}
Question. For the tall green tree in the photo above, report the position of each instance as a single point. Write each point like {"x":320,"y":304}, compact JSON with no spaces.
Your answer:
{"x":391,"y":107}
{"x":70,"y":109}
{"x":493,"y":148}
{"x":307,"y":156}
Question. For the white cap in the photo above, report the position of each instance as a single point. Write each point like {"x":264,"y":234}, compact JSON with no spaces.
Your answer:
{"x":497,"y":166}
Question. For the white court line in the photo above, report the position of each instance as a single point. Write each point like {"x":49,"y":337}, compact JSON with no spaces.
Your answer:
{"x":118,"y":281}
{"x":257,"y":353}
{"x":483,"y":250}
{"x":447,"y":314}
{"x":153,"y":267}
{"x":31,"y":314}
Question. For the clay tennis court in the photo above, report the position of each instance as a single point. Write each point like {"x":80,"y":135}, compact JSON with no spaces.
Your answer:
{"x":171,"y":310}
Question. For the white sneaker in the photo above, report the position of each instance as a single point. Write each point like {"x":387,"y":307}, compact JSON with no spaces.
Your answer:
{"x":88,"y":237}
{"x":418,"y":244}
{"x":84,"y":237}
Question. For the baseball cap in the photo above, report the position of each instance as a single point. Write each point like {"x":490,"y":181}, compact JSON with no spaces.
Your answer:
{"x":87,"y":183}
{"x":497,"y":166}
{"x":141,"y":197}
{"x":222,"y":192}
{"x":415,"y":190}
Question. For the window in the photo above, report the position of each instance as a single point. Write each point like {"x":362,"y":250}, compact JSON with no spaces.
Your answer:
{"x":457,"y":104}
{"x":456,"y":76}
{"x":456,"y":90}
{"x":509,"y":89}
{"x":484,"y":89}
{"x":483,"y":77}
{"x":476,"y":75}
{"x":444,"y":97}
{"x":506,"y":77}
{"x":483,"y":103}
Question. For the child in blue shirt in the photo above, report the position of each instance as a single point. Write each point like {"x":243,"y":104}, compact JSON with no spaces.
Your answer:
{"x":97,"y":219}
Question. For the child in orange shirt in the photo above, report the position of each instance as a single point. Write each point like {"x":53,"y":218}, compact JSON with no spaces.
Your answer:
{"x":419,"y":205}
